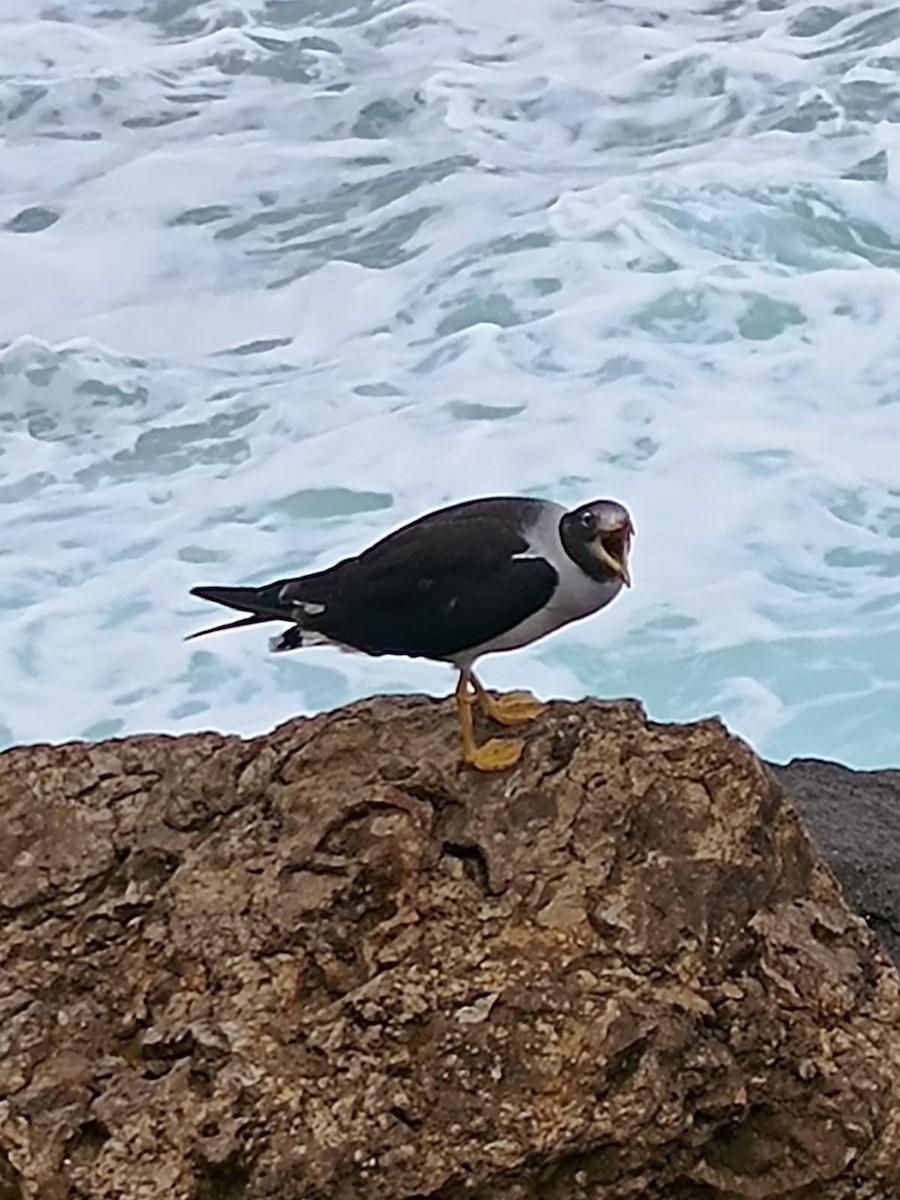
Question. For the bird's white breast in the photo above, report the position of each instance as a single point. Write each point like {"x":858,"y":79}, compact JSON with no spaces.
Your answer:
{"x":576,"y":594}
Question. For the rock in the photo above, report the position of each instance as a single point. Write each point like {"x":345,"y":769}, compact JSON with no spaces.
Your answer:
{"x":332,"y":964}
{"x":854,"y":819}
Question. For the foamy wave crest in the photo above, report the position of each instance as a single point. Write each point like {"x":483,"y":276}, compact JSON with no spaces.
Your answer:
{"x":280,"y":276}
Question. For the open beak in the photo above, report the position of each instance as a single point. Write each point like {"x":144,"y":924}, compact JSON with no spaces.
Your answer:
{"x":611,"y":548}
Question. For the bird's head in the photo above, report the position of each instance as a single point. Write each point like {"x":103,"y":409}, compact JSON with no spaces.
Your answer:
{"x":598,"y":537}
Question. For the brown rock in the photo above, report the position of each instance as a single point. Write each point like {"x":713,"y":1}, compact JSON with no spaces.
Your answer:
{"x":331,"y":964}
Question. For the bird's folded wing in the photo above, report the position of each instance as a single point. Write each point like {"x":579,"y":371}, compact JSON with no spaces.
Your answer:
{"x":429,"y":594}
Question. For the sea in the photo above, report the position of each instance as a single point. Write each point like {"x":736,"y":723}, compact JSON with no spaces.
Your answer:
{"x":277,"y":276}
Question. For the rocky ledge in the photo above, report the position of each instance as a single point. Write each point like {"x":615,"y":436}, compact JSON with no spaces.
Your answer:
{"x":332,"y":964}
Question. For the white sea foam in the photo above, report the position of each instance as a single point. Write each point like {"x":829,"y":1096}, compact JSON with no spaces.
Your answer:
{"x":278,"y":275}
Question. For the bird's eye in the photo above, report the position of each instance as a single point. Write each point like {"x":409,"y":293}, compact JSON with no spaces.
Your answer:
{"x":587,"y":520}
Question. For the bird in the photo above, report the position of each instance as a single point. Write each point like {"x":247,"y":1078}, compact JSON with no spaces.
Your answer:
{"x":469,"y":579}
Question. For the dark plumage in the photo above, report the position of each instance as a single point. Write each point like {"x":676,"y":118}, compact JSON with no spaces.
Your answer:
{"x":476,"y":577}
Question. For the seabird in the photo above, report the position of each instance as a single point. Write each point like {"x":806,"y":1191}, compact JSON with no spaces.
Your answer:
{"x":471,"y":579}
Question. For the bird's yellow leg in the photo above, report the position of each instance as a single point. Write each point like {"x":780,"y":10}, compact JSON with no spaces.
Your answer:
{"x":498,"y":754}
{"x":513,"y":708}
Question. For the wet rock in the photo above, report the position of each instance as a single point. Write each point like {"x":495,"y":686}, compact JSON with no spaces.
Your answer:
{"x":854,"y":819}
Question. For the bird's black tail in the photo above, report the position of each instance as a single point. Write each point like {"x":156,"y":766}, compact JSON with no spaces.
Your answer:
{"x":257,"y":601}
{"x":244,"y":599}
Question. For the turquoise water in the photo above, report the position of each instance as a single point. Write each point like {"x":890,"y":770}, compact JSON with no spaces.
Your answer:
{"x":278,"y":276}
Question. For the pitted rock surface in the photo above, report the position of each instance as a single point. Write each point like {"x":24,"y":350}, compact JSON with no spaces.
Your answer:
{"x":331,"y":963}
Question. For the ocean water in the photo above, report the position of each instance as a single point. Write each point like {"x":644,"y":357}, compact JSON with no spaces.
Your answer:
{"x":277,"y":275}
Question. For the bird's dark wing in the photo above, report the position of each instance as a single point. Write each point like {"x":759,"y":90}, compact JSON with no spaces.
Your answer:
{"x":432,"y":589}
